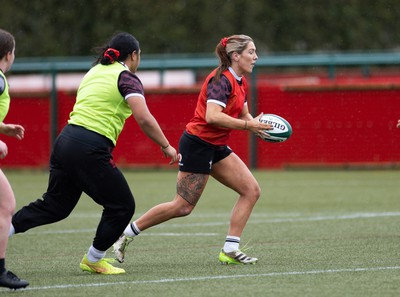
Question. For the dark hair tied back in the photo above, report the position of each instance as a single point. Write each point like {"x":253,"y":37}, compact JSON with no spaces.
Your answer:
{"x":120,"y":46}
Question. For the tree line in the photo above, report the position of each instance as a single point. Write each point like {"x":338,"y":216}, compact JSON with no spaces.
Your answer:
{"x":73,"y":27}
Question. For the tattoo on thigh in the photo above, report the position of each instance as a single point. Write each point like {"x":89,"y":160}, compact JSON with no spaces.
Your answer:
{"x":191,"y":186}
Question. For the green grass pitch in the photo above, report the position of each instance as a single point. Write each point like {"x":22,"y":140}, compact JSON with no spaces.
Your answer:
{"x":316,"y":233}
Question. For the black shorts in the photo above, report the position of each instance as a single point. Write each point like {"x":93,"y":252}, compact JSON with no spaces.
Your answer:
{"x":197,"y":155}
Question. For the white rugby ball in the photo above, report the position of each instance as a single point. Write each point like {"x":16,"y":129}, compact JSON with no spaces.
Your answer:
{"x":281,"y":131}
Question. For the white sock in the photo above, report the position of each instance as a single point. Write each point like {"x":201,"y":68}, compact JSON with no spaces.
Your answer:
{"x":12,"y":231}
{"x":95,"y":255}
{"x":231,"y":244}
{"x":132,"y":230}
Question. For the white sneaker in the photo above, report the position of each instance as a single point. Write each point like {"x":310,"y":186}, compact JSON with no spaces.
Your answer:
{"x":120,"y":247}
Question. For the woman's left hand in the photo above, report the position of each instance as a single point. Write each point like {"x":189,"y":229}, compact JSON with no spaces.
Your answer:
{"x":170,"y":152}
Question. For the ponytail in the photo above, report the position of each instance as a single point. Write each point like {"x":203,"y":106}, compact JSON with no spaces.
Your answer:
{"x":110,"y":56}
{"x":224,"y":58}
{"x":224,"y":50}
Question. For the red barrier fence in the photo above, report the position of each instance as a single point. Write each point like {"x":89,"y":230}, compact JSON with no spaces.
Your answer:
{"x":333,"y":125}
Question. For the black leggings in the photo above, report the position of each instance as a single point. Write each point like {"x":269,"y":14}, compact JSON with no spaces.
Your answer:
{"x":81,"y":161}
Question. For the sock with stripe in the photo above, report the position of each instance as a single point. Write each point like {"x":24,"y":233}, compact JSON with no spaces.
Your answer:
{"x":132,"y":230}
{"x":231,"y":244}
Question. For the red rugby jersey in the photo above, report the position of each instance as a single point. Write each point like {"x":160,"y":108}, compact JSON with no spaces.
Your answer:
{"x":234,"y":106}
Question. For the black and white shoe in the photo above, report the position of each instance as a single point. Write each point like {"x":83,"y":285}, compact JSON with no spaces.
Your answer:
{"x":10,"y":280}
{"x":236,"y":257}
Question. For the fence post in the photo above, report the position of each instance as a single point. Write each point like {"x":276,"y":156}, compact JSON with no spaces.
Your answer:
{"x":254,"y":112}
{"x":53,"y":108}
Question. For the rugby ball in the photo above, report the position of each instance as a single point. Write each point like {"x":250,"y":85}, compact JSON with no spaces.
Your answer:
{"x":281,"y":131}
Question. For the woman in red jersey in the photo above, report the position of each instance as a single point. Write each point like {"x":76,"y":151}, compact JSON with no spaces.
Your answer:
{"x":203,"y":150}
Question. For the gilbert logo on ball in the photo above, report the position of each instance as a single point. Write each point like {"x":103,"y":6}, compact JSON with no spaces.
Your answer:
{"x":281,"y":131}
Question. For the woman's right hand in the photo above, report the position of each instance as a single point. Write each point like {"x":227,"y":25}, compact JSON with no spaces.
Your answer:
{"x":258,"y":127}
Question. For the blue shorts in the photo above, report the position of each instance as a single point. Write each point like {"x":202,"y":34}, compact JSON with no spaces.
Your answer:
{"x":198,"y":156}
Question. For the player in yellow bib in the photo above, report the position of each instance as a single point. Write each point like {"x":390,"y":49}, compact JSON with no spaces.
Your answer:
{"x":81,"y":160}
{"x":100,"y":105}
{"x":7,"y":199}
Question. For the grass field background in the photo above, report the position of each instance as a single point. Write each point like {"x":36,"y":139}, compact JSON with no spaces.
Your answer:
{"x":316,"y":233}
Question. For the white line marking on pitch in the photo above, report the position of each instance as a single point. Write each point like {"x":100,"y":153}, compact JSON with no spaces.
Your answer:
{"x":144,"y":234}
{"x":297,"y":219}
{"x":251,"y":221}
{"x":216,"y":277}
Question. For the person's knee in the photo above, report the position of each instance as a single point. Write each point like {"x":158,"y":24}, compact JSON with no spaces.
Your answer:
{"x":253,"y":192}
{"x":7,"y":206}
{"x":185,"y":210}
{"x":7,"y":210}
{"x":257,"y":191}
{"x":182,"y":207}
{"x":10,"y":208}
